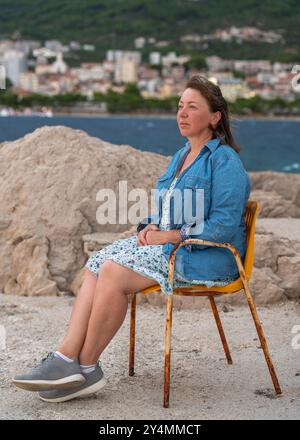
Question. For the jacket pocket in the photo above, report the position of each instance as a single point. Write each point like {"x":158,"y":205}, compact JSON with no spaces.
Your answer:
{"x":195,"y":183}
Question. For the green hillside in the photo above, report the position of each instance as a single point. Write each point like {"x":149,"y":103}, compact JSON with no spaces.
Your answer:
{"x":115,"y":23}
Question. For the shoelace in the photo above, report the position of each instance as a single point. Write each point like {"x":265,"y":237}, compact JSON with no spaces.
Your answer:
{"x":49,"y":356}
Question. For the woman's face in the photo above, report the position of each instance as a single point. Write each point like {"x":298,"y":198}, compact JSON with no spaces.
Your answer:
{"x":194,"y":115}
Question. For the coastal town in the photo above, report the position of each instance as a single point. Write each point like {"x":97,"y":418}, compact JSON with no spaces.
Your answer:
{"x":41,"y":68}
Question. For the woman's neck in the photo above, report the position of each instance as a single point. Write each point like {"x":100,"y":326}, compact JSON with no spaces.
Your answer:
{"x":197,"y":143}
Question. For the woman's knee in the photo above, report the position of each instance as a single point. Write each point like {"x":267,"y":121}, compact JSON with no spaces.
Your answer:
{"x":89,"y":276}
{"x":112,"y":276}
{"x":115,"y":277}
{"x":108,"y":269}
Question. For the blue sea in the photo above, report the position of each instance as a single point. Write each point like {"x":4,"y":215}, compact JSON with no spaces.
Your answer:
{"x":265,"y":144}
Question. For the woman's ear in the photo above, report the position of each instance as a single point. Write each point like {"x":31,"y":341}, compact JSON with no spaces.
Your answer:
{"x":216,"y":118}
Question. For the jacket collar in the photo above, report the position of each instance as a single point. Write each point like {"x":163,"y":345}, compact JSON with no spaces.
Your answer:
{"x":212,"y":144}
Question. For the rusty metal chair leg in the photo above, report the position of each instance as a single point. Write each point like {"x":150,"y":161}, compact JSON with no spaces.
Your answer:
{"x":220,"y":328}
{"x":262,"y":338}
{"x":168,"y":351}
{"x":132,"y":334}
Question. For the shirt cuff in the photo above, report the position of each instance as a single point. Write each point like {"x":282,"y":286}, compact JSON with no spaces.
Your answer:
{"x":185,"y":234}
{"x":185,"y":231}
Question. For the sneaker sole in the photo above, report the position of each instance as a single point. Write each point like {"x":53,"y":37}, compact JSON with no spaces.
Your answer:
{"x":44,"y":385}
{"x":92,"y":389}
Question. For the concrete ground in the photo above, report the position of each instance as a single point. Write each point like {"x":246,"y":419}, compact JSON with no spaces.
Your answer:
{"x":203,"y":386}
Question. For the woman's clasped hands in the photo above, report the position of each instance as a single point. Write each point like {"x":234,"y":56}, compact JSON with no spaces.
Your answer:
{"x":151,"y":234}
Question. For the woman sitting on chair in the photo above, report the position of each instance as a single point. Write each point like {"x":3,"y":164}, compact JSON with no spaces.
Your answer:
{"x":209,"y":162}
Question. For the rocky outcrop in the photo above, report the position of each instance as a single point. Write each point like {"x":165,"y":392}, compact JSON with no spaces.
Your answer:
{"x":48,"y":185}
{"x":277,"y":252}
{"x":48,"y":216}
{"x":275,"y":205}
{"x":279,"y":193}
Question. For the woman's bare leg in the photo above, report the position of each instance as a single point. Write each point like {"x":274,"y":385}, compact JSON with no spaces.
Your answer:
{"x":76,"y":333}
{"x":109,"y":307}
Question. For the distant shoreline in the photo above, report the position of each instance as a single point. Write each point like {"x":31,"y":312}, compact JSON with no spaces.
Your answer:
{"x":168,"y":116}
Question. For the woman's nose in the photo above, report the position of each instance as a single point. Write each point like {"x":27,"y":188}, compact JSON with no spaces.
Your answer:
{"x":182,"y":112}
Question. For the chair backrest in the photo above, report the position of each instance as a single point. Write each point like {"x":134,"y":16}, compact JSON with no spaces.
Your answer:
{"x":251,"y":212}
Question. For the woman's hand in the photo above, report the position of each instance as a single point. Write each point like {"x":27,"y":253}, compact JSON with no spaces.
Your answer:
{"x":156,"y":236}
{"x":141,"y":237}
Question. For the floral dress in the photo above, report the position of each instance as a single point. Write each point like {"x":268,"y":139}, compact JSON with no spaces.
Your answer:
{"x":149,"y":260}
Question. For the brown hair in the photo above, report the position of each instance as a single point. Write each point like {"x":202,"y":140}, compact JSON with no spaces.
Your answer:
{"x":216,"y":102}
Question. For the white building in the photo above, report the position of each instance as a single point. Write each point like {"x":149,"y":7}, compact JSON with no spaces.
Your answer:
{"x":252,"y":66}
{"x":114,"y":55}
{"x":172,"y":58}
{"x":169,"y":59}
{"x":88,"y":47}
{"x":54,"y":45}
{"x":59,"y":66}
{"x":2,"y":78}
{"x":117,"y":55}
{"x":267,"y":78}
{"x":44,"y":52}
{"x":149,"y":87}
{"x":155,"y":58}
{"x":15,"y":62}
{"x":89,"y":71}
{"x":126,"y":70}
{"x":139,"y":42}
{"x":282,"y":67}
{"x":29,"y":81}
{"x":109,"y":69}
{"x":235,"y":88}
{"x":217,"y":64}
{"x":75,"y":45}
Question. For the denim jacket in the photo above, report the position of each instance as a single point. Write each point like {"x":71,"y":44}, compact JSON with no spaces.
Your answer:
{"x":220,"y":173}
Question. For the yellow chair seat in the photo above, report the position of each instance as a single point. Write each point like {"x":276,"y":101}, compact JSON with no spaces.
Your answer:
{"x":233,"y":287}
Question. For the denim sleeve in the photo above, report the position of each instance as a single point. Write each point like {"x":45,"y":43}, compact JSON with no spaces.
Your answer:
{"x":229,"y":194}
